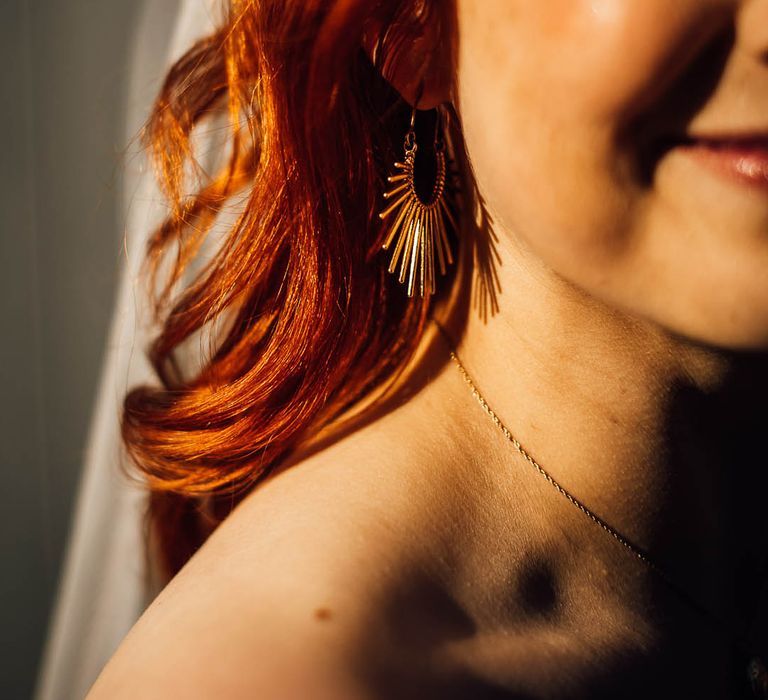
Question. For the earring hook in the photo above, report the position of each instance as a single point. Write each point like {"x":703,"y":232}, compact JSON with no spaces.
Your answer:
{"x":410,"y":137}
{"x":419,"y":95}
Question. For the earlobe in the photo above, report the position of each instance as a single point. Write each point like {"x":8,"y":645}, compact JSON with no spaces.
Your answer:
{"x":414,"y":59}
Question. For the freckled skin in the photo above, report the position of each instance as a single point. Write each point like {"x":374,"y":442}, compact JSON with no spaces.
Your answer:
{"x":558,"y":100}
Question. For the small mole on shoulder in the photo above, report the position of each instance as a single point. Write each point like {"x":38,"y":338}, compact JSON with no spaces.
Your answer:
{"x":323,"y":613}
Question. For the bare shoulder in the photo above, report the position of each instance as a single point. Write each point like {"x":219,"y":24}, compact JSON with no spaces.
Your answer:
{"x":295,"y":591}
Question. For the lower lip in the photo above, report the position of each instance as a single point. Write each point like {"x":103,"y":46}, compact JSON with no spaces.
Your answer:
{"x":743,"y":163}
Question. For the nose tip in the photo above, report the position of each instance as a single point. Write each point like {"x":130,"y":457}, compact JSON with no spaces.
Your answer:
{"x":752,"y":28}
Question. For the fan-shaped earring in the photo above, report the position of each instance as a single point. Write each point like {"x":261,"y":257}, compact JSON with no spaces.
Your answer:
{"x":420,"y":227}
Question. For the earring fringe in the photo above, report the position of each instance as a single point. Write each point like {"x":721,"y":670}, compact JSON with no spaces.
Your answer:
{"x":419,"y":228}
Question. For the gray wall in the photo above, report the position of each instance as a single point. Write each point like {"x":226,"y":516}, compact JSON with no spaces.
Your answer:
{"x":63,"y":87}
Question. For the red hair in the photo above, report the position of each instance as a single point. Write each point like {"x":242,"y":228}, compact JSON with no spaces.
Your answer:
{"x":314,"y":321}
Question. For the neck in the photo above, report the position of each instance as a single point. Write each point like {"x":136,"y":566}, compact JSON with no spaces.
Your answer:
{"x":659,"y":436}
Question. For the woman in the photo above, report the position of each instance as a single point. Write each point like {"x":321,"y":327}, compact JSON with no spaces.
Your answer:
{"x":334,"y":502}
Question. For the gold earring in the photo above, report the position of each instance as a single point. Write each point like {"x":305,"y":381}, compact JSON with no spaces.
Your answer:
{"x":420,"y":227}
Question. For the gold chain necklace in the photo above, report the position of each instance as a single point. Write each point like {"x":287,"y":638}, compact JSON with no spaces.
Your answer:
{"x":757,"y":674}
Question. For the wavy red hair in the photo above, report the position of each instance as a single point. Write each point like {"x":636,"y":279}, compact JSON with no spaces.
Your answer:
{"x":314,"y":322}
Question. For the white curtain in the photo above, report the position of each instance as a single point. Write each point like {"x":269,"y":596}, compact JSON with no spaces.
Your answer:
{"x":101,"y":590}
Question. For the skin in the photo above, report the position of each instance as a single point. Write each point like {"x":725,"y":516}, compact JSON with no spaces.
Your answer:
{"x":628,"y":355}
{"x":579,"y":76}
{"x":628,"y":302}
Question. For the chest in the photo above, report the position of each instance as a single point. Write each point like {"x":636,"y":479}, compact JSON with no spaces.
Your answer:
{"x":543,"y":632}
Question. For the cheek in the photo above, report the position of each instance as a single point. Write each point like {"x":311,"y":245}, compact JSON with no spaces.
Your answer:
{"x":612,"y":58}
{"x":545,"y":89}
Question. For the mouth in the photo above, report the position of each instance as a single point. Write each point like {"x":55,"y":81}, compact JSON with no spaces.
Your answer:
{"x":740,"y":158}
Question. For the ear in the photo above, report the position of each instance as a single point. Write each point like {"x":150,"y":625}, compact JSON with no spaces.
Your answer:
{"x":421,"y":50}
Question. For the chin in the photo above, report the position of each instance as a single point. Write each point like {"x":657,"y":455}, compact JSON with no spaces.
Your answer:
{"x":731,"y":333}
